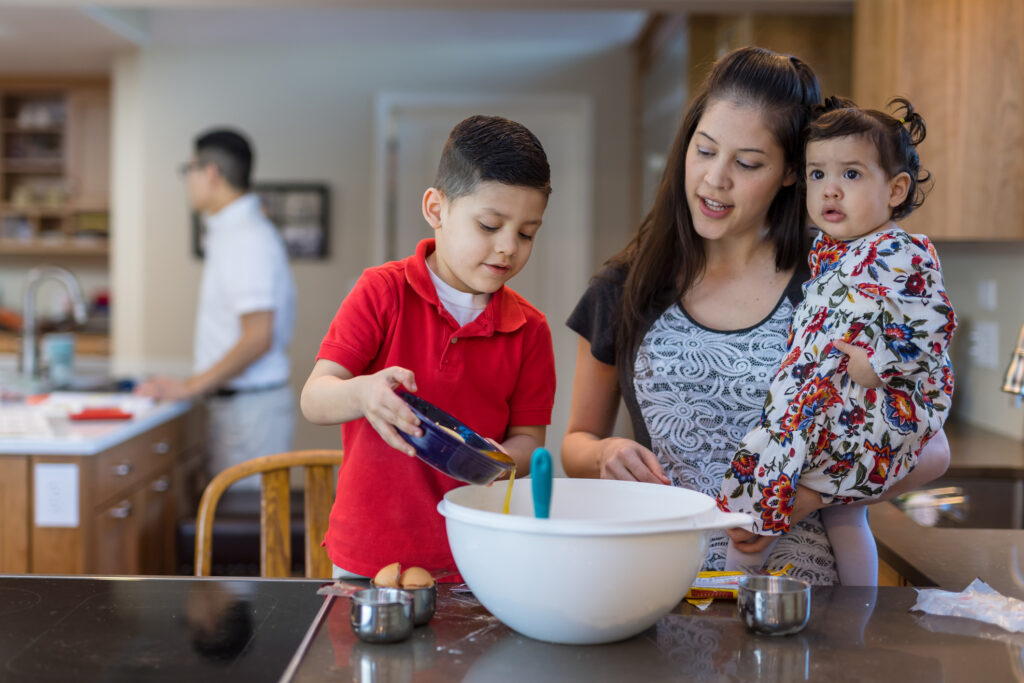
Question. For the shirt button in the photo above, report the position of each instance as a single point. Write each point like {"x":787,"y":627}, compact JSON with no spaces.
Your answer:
{"x":454,"y":339}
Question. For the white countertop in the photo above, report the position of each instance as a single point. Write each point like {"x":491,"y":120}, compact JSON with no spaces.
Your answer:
{"x":89,"y":437}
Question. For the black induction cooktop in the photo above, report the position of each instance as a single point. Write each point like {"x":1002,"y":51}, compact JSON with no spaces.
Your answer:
{"x":151,"y":629}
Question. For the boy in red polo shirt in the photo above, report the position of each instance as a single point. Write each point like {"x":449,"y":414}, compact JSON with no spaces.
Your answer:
{"x":442,"y":324}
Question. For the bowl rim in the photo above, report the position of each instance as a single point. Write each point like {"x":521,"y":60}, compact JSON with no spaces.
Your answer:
{"x":773,"y":585}
{"x":706,"y":519}
{"x":381,"y":595}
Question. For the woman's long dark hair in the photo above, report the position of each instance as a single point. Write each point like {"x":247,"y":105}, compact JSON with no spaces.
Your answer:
{"x":666,"y":256}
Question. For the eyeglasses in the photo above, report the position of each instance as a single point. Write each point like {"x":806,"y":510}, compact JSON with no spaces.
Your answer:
{"x":188,"y":167}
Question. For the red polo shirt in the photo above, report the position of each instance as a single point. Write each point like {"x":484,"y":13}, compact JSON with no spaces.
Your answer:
{"x":496,"y":372}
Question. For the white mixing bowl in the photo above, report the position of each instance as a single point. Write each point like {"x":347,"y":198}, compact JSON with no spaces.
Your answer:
{"x":613,"y":558}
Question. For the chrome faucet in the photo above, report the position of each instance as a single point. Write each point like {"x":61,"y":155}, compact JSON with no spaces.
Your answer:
{"x":29,"y":350}
{"x":1014,"y":382}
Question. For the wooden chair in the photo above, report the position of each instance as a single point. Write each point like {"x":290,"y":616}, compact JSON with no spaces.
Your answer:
{"x":275,"y":516}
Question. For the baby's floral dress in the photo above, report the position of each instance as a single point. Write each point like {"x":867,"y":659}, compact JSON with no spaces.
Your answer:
{"x":819,"y":428}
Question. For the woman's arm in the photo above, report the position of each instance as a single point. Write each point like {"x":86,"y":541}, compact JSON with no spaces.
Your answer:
{"x":932,"y":463}
{"x":588,"y":450}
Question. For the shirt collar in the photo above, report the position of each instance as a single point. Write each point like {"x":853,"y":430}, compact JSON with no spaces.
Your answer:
{"x":503,"y":312}
{"x":245,"y":204}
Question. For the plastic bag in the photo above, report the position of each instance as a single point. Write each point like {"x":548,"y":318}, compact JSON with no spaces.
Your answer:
{"x":978,"y":601}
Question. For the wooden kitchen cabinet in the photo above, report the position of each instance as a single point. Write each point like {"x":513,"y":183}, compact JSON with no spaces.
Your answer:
{"x":961,"y":64}
{"x":54,"y":167}
{"x":135,"y":534}
{"x":129,"y":499}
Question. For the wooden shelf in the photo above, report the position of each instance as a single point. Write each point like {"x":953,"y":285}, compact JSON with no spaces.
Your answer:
{"x":64,"y":247}
{"x":33,"y":165}
{"x":12,"y":210}
{"x":48,"y":183}
{"x":12,"y":126}
{"x":86,"y":343}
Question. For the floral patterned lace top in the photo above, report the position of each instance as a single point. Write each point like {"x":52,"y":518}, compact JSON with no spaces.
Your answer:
{"x":883,"y":292}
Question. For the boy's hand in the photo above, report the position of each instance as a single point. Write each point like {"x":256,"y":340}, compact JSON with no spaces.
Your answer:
{"x":385,"y":410}
{"x":859,"y":367}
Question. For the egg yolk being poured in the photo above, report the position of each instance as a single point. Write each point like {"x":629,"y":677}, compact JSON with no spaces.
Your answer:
{"x":496,"y":455}
{"x":501,"y":457}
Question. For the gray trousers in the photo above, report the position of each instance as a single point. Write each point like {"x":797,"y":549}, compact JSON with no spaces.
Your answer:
{"x":248,"y":425}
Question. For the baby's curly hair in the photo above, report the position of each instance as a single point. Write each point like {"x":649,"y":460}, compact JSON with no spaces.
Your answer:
{"x":895,"y":136}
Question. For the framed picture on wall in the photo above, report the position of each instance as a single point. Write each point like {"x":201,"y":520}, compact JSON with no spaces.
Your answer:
{"x":300,"y":211}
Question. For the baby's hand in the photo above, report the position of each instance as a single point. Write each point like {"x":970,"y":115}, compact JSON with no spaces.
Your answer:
{"x":385,"y":410}
{"x":805,"y":502}
{"x":739,"y":535}
{"x":749,"y":542}
{"x":859,"y":367}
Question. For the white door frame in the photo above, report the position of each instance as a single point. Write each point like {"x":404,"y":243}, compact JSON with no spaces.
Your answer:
{"x":386,"y":103}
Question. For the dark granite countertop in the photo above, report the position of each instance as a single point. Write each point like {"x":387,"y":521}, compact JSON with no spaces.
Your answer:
{"x":948,"y":558}
{"x":979,"y":452}
{"x":854,"y":634}
{"x":185,"y":629}
{"x":953,"y":557}
{"x":132,"y":629}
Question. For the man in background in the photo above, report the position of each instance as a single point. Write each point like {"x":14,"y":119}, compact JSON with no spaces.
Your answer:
{"x":246,"y":311}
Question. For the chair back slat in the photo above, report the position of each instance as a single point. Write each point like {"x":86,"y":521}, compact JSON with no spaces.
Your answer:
{"x":318,"y":501}
{"x":275,"y":513}
{"x":275,"y":525}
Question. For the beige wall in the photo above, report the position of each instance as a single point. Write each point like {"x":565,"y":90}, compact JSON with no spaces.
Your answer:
{"x":309,"y":111}
{"x":978,"y":397}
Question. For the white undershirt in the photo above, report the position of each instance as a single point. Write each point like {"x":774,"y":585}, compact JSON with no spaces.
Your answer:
{"x":465,"y":307}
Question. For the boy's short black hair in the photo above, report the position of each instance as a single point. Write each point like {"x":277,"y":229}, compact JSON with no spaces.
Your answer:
{"x":483,"y":148}
{"x":230,"y":152}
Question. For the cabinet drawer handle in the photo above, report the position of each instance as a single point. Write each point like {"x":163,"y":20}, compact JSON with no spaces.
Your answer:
{"x":123,"y":470}
{"x":161,"y":485}
{"x":161,"y":447}
{"x":121,"y":511}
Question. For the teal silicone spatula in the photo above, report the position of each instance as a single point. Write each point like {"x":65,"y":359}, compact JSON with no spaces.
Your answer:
{"x":540,"y":482}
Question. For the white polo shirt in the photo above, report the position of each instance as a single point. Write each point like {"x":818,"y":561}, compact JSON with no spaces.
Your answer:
{"x":246,"y":271}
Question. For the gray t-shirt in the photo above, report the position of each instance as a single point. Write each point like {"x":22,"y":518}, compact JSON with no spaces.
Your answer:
{"x":694,"y":393}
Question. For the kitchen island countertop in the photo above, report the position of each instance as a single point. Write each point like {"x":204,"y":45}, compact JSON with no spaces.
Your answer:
{"x":854,"y":634}
{"x":253,"y":630}
{"x":92,"y":436}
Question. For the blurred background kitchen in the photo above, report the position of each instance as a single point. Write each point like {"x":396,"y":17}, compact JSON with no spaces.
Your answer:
{"x":349,"y":103}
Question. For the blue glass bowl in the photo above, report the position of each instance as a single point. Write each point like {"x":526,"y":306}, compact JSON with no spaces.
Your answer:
{"x":474,"y":461}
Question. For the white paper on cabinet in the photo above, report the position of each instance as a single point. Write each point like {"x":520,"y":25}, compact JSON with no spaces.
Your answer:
{"x":56,"y":494}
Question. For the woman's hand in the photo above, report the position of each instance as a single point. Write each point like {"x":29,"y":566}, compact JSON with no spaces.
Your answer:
{"x":806,"y":502}
{"x":627,"y":460}
{"x":859,"y":367}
